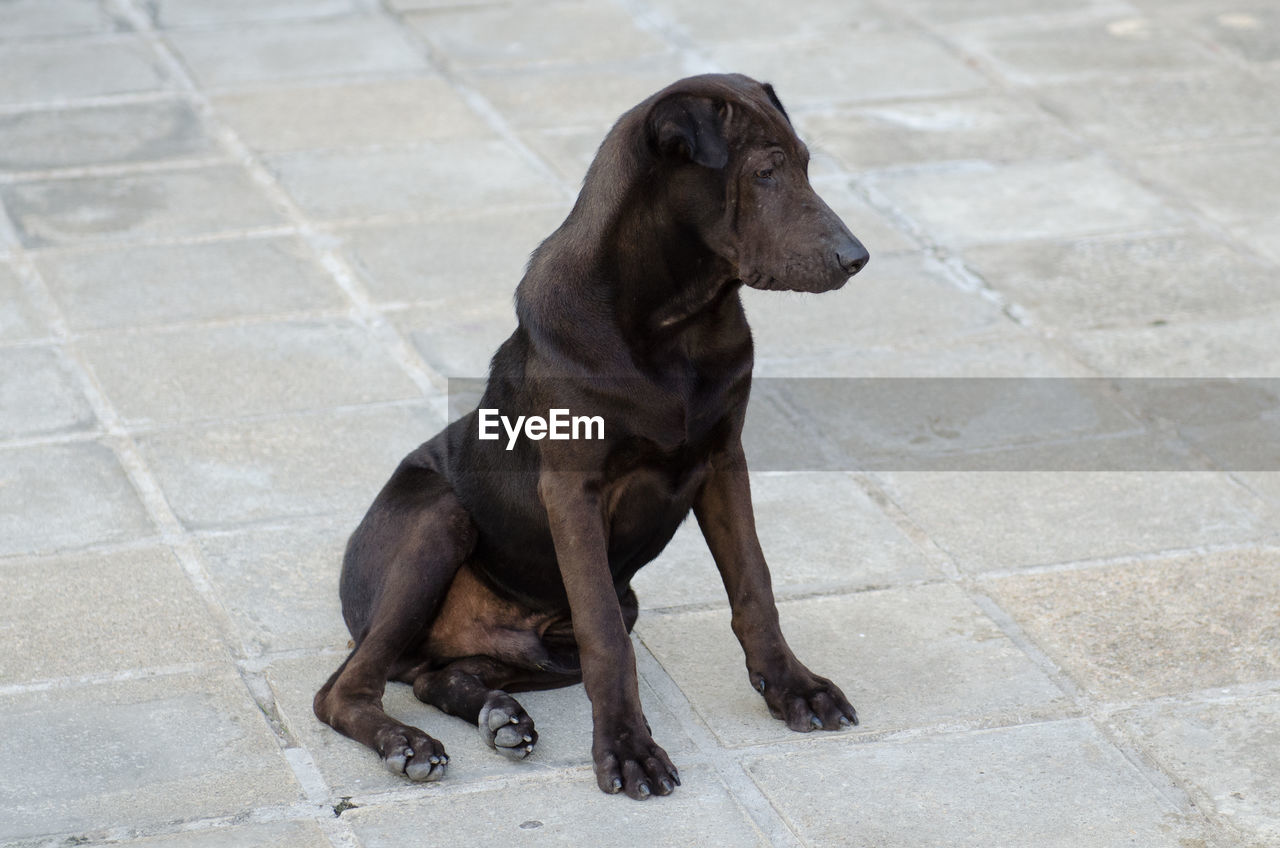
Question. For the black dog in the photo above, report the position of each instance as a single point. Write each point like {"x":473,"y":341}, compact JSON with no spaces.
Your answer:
{"x":485,"y":566}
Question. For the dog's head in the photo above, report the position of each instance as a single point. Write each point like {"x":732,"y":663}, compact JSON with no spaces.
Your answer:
{"x":736,"y":171}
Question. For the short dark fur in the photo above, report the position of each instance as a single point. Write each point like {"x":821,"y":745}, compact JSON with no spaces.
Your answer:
{"x":479,"y":571}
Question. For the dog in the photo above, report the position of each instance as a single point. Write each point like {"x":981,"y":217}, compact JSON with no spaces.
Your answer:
{"x":487,"y":566}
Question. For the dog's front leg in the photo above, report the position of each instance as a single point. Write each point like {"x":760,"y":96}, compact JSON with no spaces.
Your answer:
{"x":794,"y":694}
{"x":622,"y":749}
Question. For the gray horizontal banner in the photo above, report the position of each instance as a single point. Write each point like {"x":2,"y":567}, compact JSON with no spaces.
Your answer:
{"x":985,"y":424}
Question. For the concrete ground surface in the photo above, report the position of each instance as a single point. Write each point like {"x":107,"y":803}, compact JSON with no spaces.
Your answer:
{"x":246,"y":242}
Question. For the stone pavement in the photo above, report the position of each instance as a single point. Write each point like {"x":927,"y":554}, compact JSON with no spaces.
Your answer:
{"x":245,"y":242}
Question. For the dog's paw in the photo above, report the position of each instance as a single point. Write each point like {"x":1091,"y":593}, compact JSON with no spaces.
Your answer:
{"x":410,"y":752}
{"x":805,"y":701}
{"x":505,"y":727}
{"x":629,"y":761}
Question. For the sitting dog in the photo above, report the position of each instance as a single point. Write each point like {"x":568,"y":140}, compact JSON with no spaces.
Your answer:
{"x":492,"y":565}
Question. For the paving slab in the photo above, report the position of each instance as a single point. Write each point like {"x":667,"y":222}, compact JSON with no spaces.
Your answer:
{"x":471,"y":260}
{"x":1039,"y":51}
{"x":1226,"y":753}
{"x":113,"y":287}
{"x":1127,"y":281}
{"x":102,"y":135}
{"x":40,"y":395}
{"x":562,"y":718}
{"x":160,"y":750}
{"x":886,"y":65}
{"x":565,"y":812}
{"x":252,"y":369}
{"x":1136,"y":113}
{"x":20,"y":320}
{"x":1003,"y":349}
{"x":279,"y":586}
{"x":462,"y":347}
{"x":706,"y":23}
{"x":170,"y":204}
{"x":100,"y":614}
{"x":949,"y":12}
{"x":984,"y":127}
{"x":275,"y":51}
{"x":1005,"y":520}
{"x":516,"y":36}
{"x":819,"y":531}
{"x":224,"y":474}
{"x":39,"y":18}
{"x":1245,"y":30}
{"x":1055,"y":784}
{"x":1226,"y":347}
{"x":201,"y":13}
{"x":905,"y":657}
{"x":925,"y":424}
{"x":1229,"y":183}
{"x":984,"y":203}
{"x":900,"y":300}
{"x":569,"y":152}
{"x":566,"y":97}
{"x":56,"y":71}
{"x":287,"y":834}
{"x":60,"y":497}
{"x":392,"y":112}
{"x":1156,"y":627}
{"x":1262,"y":236}
{"x":435,"y":177}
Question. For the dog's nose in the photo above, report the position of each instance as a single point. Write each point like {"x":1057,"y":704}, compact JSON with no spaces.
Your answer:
{"x":852,"y":258}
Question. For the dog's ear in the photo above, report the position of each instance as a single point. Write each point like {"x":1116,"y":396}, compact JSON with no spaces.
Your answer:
{"x":689,"y":128}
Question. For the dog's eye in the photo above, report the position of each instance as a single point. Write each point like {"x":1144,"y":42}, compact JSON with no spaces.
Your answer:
{"x":764,"y":174}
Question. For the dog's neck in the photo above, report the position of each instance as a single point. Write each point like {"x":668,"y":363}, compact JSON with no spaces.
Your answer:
{"x":663,"y":276}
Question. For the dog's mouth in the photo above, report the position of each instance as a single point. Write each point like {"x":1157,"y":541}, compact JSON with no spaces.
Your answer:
{"x":764,"y":282}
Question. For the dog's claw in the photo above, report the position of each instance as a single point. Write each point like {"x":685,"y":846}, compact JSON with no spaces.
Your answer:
{"x":616,"y":786}
{"x":844,"y":721}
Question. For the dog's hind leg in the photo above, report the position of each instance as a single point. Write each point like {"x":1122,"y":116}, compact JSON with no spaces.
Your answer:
{"x":472,"y":689}
{"x":399,"y":565}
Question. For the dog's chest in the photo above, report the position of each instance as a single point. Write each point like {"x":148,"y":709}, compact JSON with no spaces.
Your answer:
{"x":643,"y":509}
